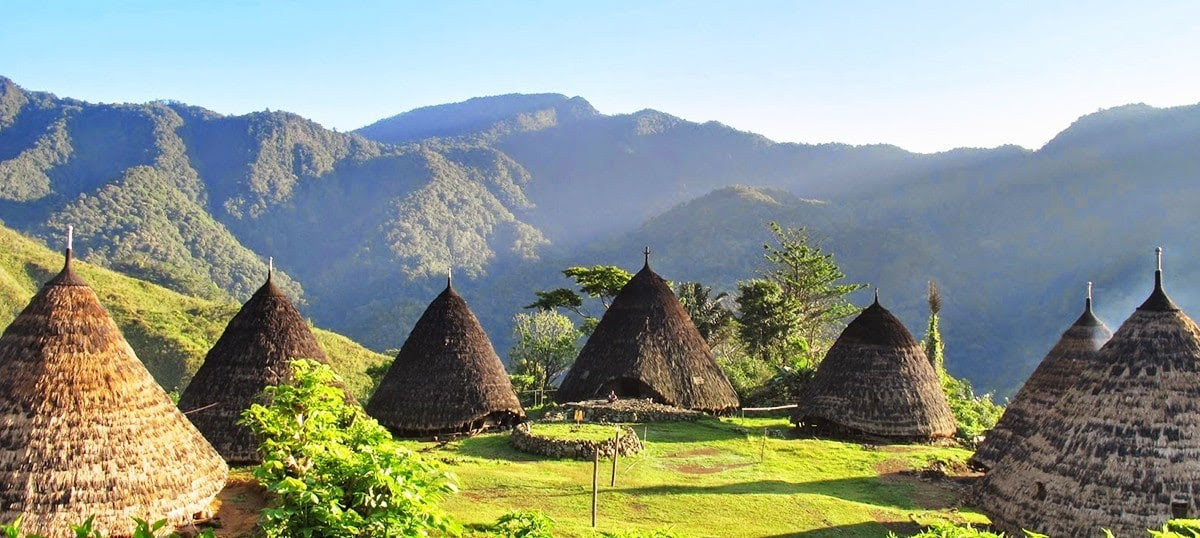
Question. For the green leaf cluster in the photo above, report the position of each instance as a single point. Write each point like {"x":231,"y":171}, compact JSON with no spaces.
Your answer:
{"x":141,"y":529}
{"x":334,"y":470}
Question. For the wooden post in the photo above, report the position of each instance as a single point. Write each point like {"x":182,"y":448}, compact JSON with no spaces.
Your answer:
{"x":595,"y":482}
{"x":616,"y":452}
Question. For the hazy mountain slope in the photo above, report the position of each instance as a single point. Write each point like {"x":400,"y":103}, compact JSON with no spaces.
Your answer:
{"x":481,"y":114}
{"x":514,"y":188}
{"x":119,"y":173}
{"x":197,"y":201}
{"x":170,"y":332}
{"x":594,"y":175}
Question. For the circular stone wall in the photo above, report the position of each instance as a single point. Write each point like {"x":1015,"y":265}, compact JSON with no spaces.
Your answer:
{"x":525,"y":438}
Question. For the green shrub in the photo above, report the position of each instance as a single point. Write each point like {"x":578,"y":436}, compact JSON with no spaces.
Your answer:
{"x":334,"y":470}
{"x":142,"y":529}
{"x":974,"y":414}
{"x":522,"y":525}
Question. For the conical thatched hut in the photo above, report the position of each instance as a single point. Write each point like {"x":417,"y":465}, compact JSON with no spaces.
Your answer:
{"x":875,"y":380}
{"x":1078,"y":345}
{"x":254,"y":351}
{"x":646,"y":346}
{"x":1121,"y":449}
{"x":85,"y":430}
{"x":447,"y":377}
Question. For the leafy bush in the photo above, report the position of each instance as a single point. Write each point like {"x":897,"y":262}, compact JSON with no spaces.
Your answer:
{"x":142,"y":529}
{"x":974,"y":414}
{"x":656,"y":533}
{"x":334,"y":470}
{"x":522,"y":525}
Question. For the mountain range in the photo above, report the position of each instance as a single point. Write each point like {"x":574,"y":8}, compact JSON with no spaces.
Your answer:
{"x":508,"y":190}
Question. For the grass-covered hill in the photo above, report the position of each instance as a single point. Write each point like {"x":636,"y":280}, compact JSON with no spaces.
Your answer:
{"x":169,"y":331}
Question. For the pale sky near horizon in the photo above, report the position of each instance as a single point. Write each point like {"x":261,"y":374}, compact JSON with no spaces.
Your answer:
{"x":926,"y":76}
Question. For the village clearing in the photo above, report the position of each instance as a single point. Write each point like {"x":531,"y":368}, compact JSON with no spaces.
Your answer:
{"x":733,"y":477}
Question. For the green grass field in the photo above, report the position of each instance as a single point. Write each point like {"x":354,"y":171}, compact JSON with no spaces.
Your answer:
{"x":734,"y":477}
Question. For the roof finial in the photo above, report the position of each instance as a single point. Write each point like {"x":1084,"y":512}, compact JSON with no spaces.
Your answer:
{"x":449,"y":275}
{"x":876,"y":295}
{"x":1158,"y":270}
{"x":270,"y":267}
{"x":1088,"y":302}
{"x":646,"y":252}
{"x":70,"y":240}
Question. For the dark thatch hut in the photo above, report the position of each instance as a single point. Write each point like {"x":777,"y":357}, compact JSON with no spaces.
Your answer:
{"x":1121,"y":449}
{"x":875,"y":381}
{"x":255,"y":351}
{"x":85,"y":430}
{"x":646,"y":346}
{"x":447,"y":378}
{"x":1078,"y":346}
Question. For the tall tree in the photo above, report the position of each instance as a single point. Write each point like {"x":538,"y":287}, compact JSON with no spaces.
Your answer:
{"x":932,"y":343}
{"x":546,"y":344}
{"x":601,"y":282}
{"x":708,"y":313}
{"x":808,"y":281}
{"x":766,"y":321}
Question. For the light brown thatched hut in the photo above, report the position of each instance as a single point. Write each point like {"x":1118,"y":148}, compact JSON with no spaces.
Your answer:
{"x":1077,"y":346}
{"x":876,"y":381}
{"x":85,"y":430}
{"x":1121,"y":450}
{"x":255,"y":351}
{"x":646,"y":346}
{"x":447,"y":377}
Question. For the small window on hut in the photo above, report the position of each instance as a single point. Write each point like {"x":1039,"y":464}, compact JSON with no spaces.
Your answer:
{"x":1040,"y":494}
{"x":1179,"y":509}
{"x":697,"y":380}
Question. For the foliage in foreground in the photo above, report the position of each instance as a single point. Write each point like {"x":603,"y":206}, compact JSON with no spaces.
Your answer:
{"x":334,"y":470}
{"x":141,"y":529}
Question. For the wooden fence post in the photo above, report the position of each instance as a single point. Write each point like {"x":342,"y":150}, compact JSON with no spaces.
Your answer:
{"x":595,"y":482}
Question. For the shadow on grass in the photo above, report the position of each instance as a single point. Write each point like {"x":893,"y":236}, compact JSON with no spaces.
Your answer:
{"x":492,"y":446}
{"x":872,"y":529}
{"x":701,"y":431}
{"x":897,"y":491}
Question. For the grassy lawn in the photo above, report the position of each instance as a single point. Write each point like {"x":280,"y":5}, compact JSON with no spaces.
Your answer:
{"x":712,"y":478}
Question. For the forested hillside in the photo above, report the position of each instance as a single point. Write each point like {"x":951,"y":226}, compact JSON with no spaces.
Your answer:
{"x":508,"y":190}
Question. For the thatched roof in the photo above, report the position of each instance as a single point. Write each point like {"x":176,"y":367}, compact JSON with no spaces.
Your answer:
{"x":1045,"y":385}
{"x":85,"y":430}
{"x":447,"y":378}
{"x":646,"y":346}
{"x":1121,"y":450}
{"x":875,"y":380}
{"x":255,"y":351}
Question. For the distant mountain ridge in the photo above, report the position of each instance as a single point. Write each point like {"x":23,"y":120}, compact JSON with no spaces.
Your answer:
{"x":478,"y":115}
{"x":507,"y":190}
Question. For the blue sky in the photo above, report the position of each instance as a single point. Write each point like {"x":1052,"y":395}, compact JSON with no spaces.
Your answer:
{"x":926,"y":76}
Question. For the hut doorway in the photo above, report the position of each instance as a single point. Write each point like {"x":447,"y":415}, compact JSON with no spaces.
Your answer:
{"x":631,"y":388}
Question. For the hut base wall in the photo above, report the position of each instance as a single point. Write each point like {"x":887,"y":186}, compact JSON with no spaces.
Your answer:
{"x":828,"y":429}
{"x":495,"y":421}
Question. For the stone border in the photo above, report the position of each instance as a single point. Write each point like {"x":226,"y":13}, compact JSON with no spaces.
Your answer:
{"x":626,"y":445}
{"x":626,"y":411}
